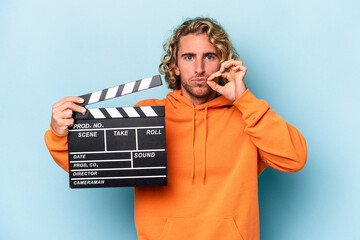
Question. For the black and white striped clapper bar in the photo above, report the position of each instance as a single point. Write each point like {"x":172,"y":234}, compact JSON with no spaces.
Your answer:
{"x":118,"y":147}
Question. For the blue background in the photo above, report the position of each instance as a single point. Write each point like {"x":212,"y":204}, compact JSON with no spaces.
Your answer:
{"x":302,"y":56}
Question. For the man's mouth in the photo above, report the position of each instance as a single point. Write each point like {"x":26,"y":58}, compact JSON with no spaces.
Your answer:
{"x":199,"y":80}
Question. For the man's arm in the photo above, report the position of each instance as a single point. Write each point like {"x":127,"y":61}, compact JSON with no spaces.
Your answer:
{"x":61,"y":120}
{"x":58,"y":148}
{"x":281,"y":146}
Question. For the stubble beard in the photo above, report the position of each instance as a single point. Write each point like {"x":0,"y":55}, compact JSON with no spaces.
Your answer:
{"x":197,"y":90}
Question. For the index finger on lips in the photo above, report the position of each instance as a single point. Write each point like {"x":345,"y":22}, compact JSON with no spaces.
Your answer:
{"x":214,"y":75}
{"x":228,"y":64}
{"x":224,"y":64}
{"x":233,"y":63}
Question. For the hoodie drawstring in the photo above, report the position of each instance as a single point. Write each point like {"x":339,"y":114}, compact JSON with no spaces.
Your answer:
{"x":193,"y":142}
{"x":204,"y":170}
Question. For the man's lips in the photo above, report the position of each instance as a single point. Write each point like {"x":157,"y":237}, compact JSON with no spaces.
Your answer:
{"x":199,"y":80}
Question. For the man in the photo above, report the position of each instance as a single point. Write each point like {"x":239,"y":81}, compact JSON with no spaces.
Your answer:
{"x":219,"y":137}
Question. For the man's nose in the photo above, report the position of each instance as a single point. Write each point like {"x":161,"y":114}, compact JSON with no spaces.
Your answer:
{"x":199,"y":66}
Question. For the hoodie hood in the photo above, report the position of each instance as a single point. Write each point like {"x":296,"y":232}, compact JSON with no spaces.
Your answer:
{"x":181,"y":103}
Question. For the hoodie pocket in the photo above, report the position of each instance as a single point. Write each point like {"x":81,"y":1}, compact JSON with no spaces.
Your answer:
{"x":200,"y":228}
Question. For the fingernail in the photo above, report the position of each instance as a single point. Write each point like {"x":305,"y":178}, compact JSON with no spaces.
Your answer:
{"x":82,"y":100}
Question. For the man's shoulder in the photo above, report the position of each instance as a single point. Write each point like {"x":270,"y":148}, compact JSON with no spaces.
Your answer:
{"x":151,"y":102}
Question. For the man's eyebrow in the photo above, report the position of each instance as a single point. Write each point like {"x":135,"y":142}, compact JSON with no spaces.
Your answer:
{"x":188,"y":54}
{"x":210,"y":53}
{"x":193,"y":54}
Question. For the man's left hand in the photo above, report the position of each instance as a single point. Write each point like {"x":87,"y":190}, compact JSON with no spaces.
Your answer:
{"x":234,"y":72}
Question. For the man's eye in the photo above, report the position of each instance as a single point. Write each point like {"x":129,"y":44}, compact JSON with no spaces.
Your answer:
{"x":189,"y":57}
{"x":210,"y":57}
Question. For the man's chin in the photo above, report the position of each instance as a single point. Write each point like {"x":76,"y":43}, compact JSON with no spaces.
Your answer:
{"x":201,"y":92}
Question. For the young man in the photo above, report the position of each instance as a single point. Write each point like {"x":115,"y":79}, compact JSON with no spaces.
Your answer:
{"x":219,"y":137}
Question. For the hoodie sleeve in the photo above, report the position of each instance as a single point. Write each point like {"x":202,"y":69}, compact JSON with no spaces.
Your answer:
{"x":58,"y":148}
{"x":150,"y":102}
{"x":280,"y":145}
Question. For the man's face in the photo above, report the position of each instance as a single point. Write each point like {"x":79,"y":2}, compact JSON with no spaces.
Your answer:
{"x":196,"y":61}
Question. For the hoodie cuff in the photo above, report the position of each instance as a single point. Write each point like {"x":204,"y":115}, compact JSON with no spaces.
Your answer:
{"x":55,"y":141}
{"x":58,"y":135}
{"x":250,"y":106}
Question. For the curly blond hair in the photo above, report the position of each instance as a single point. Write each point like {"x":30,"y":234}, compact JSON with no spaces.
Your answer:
{"x":216,"y":35}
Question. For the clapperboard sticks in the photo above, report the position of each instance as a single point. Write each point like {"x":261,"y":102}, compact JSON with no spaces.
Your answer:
{"x":116,"y":147}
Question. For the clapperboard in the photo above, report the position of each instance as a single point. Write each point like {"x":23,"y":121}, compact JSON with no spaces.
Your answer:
{"x":118,"y":147}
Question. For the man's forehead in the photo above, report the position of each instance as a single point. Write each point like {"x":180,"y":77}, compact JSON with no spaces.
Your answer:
{"x":196,"y":43}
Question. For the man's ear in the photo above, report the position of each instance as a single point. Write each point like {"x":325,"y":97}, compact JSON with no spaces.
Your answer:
{"x":177,"y":70}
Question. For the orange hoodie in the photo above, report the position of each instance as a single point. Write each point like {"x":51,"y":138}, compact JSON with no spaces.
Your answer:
{"x":215,"y":152}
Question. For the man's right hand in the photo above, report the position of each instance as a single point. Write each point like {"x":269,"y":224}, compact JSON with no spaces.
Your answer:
{"x":62,"y":111}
